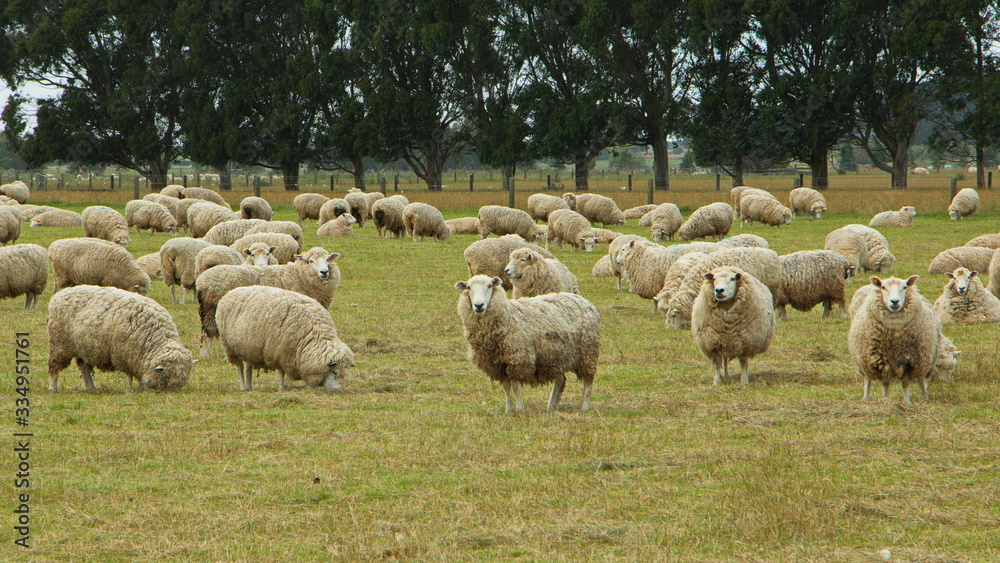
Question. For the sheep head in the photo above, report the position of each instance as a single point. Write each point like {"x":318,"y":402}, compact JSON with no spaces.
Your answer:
{"x":961,"y":279}
{"x":480,"y":289}
{"x":520,"y":259}
{"x":319,"y":260}
{"x":894,"y":291}
{"x":725,"y":282}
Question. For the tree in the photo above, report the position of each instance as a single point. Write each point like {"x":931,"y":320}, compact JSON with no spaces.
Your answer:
{"x":847,"y":162}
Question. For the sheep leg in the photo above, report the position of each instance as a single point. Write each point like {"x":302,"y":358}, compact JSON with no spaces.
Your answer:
{"x":827,"y":307}
{"x":281,"y":380}
{"x":619,"y":282}
{"x":781,"y":313}
{"x":923,"y":388}
{"x":249,"y":376}
{"x":717,"y":365}
{"x":87,"y":373}
{"x":173,"y":294}
{"x":508,"y":395}
{"x":518,"y":402}
{"x":588,"y":386}
{"x":868,"y":389}
{"x":239,"y":375}
{"x":128,"y":387}
{"x":206,"y":345}
{"x":885,"y":389}
{"x":745,"y":371}
{"x":906,"y":388}
{"x":557,"y":389}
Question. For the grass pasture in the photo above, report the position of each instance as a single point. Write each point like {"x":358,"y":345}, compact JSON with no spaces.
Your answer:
{"x":415,"y":459}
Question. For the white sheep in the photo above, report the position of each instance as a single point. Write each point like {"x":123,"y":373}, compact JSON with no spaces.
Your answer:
{"x":920,"y":170}
{"x":173,"y":205}
{"x":490,"y":256}
{"x":964,"y":204}
{"x":16,"y":190}
{"x":991,"y":241}
{"x":24,"y":270}
{"x":150,"y":263}
{"x":665,"y":220}
{"x":91,"y":261}
{"x":267,"y":328}
{"x":893,"y":335}
{"x":372,"y":197}
{"x":285,"y":246}
{"x":599,"y":209}
{"x":743,"y":239}
{"x":204,"y":215}
{"x":674,"y":277}
{"x":994,"y":273}
{"x":339,"y":227}
{"x":57,"y":218}
{"x":105,"y":223}
{"x":732,"y":317}
{"x":423,"y":220}
{"x":739,"y":192}
{"x":387,"y":214}
{"x":540,"y":205}
{"x":878,"y":259}
{"x":313,"y":273}
{"x":530,"y":341}
{"x":177,"y":265}
{"x":115,"y":330}
{"x":217,"y":254}
{"x":145,"y":214}
{"x":811,"y":277}
{"x":307,"y":206}
{"x":902,"y":218}
{"x":359,"y":205}
{"x":965,"y":300}
{"x":290,"y":228}
{"x":499,"y":220}
{"x":639,"y":211}
{"x":807,"y":201}
{"x":531,"y":274}
{"x":10,"y":224}
{"x":256,"y":208}
{"x":713,"y":220}
{"x":602,"y":268}
{"x":645,"y":266}
{"x":604,"y":236}
{"x":228,"y":232}
{"x":767,"y":210}
{"x":971,"y":257}
{"x":257,"y":254}
{"x":204,"y":194}
{"x":571,"y":227}
{"x":332,"y":209}
{"x":464,"y":225}
{"x":173,"y":190}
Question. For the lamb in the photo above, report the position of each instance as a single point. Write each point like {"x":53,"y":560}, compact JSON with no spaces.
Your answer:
{"x":811,"y":277}
{"x":533,"y":275}
{"x":985,"y":241}
{"x":500,"y":220}
{"x":965,"y":300}
{"x":256,"y":208}
{"x":105,"y":223}
{"x":90,"y":261}
{"x":10,"y":225}
{"x":572,"y":227}
{"x":387,"y":214}
{"x":174,"y":191}
{"x":732,"y":317}
{"x":358,"y":203}
{"x":893,"y":335}
{"x":204,"y":194}
{"x":807,"y":201}
{"x":290,"y":228}
{"x":333,"y":209}
{"x":150,"y":263}
{"x":115,"y":330}
{"x":713,"y":220}
{"x":604,"y":236}
{"x":217,"y":254}
{"x":902,"y":218}
{"x":228,"y":232}
{"x":24,"y":270}
{"x":339,"y":227}
{"x":964,"y":204}
{"x":599,"y":209}
{"x":313,"y":273}
{"x":765,"y":210}
{"x":540,"y":205}
{"x":423,"y":220}
{"x":489,"y":257}
{"x":202,"y":216}
{"x":177,"y":265}
{"x":639,"y":212}
{"x":614,"y":248}
{"x":16,"y":190}
{"x":645,"y":266}
{"x":971,"y":257}
{"x":529,"y":341}
{"x":146,"y":214}
{"x":761,"y":263}
{"x":674,"y":277}
{"x":307,"y":206}
{"x":57,"y":218}
{"x":463,"y":225}
{"x":665,"y":220}
{"x":876,"y":256}
{"x":739,"y":192}
{"x":272,"y":328}
{"x":285,"y":246}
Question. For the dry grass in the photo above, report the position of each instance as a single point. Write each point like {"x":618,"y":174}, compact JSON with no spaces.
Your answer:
{"x":415,"y":459}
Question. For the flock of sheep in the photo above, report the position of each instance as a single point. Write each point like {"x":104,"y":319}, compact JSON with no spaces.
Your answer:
{"x":730,"y":291}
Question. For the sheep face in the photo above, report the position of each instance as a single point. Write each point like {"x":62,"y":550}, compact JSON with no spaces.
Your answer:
{"x":350,"y":218}
{"x":657,"y":234}
{"x":725,"y":282}
{"x":893,"y":291}
{"x":480,"y":290}
{"x":519,"y":260}
{"x":673,"y":318}
{"x":909,"y":210}
{"x":122,"y":240}
{"x":259,"y":253}
{"x":786,"y":216}
{"x":953,"y":214}
{"x":320,"y":263}
{"x":818,"y":209}
{"x":946,"y":362}
{"x":171,"y":371}
{"x":332,"y":373}
{"x":961,"y":278}
{"x":624,"y":252}
{"x":570,"y":200}
{"x":586,"y":242}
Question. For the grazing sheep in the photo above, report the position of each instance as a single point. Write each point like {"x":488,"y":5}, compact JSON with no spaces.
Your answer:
{"x":599,"y":209}
{"x":645,"y":266}
{"x":204,"y":215}
{"x":674,"y":277}
{"x":964,"y":204}
{"x":10,"y":224}
{"x":267,"y":328}
{"x":647,"y":218}
{"x":150,"y":263}
{"x":761,"y":263}
{"x":902,"y":218}
{"x":489,"y":257}
{"x":16,"y":190}
{"x":739,"y":192}
{"x":372,"y":197}
{"x":90,"y":261}
{"x":217,"y":254}
{"x":173,"y":190}
{"x":921,"y":170}
{"x":29,"y":211}
{"x":339,"y":227}
{"x":732,"y":317}
{"x":604,"y":236}
{"x":639,"y":212}
{"x":307,"y":206}
{"x":985,"y":241}
{"x":811,"y":277}
{"x":530,"y":341}
{"x":24,"y":270}
{"x":290,"y":228}
{"x":313,"y":273}
{"x":144,"y":214}
{"x":115,"y":330}
{"x":105,"y":223}
{"x":228,"y":232}
{"x":878,"y":258}
{"x":178,"y":265}
{"x":332,"y":209}
{"x":767,"y":210}
{"x":665,"y":220}
{"x":946,"y":361}
{"x":965,"y":301}
{"x":971,"y":257}
{"x":570,"y":199}
{"x":713,"y":220}
{"x":602,"y":268}
{"x":359,"y":205}
{"x":893,"y":335}
{"x":744,"y":239}
{"x":531,"y":274}
{"x":285,"y":246}
{"x":57,"y":218}
{"x":540,"y":205}
{"x":807,"y":201}
{"x":181,"y":213}
{"x":570,"y":226}
{"x":423,"y":220}
{"x":204,"y":194}
{"x":614,"y":247}
{"x":387,"y":214}
{"x":500,"y":220}
{"x":464,"y":225}
{"x":256,"y":208}
{"x":173,"y":205}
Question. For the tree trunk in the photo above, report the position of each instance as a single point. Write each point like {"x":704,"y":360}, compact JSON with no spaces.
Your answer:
{"x":581,"y":172}
{"x":157,"y":176}
{"x":820,"y":169}
{"x":225,"y":177}
{"x":661,"y":162}
{"x":507,"y":172}
{"x":358,"y":163}
{"x":900,"y":164}
{"x":737,"y":173}
{"x":432,"y":174}
{"x":290,"y":175}
{"x":980,"y":167}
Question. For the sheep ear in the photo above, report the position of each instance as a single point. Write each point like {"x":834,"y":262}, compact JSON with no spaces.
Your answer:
{"x":631,"y":244}
{"x":246,"y":251}
{"x":461,"y":286}
{"x":875,"y":281}
{"x":496,"y":282}
{"x":912,"y":280}
{"x":530,"y":258}
{"x":300,"y":257}
{"x":950,"y":275}
{"x":158,"y":368}
{"x":973,"y":274}
{"x":709,"y":276}
{"x":738,"y":276}
{"x":271,"y":249}
{"x":333,"y":256}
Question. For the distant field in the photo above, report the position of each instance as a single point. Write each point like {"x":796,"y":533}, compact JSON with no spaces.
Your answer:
{"x":416,"y":460}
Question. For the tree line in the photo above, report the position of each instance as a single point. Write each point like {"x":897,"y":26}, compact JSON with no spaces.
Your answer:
{"x":333,"y":83}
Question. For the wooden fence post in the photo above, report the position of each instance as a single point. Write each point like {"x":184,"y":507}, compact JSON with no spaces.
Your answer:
{"x":112,"y":182}
{"x":718,"y":181}
{"x":649,"y":191}
{"x":989,"y":180}
{"x":395,"y":183}
{"x":548,"y":181}
{"x":472,"y":179}
{"x":184,"y":180}
{"x":510,"y":192}
{"x":256,"y":185}
{"x":954,"y":187}
{"x":381,"y":185}
{"x":135,"y":188}
{"x":629,"y":182}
